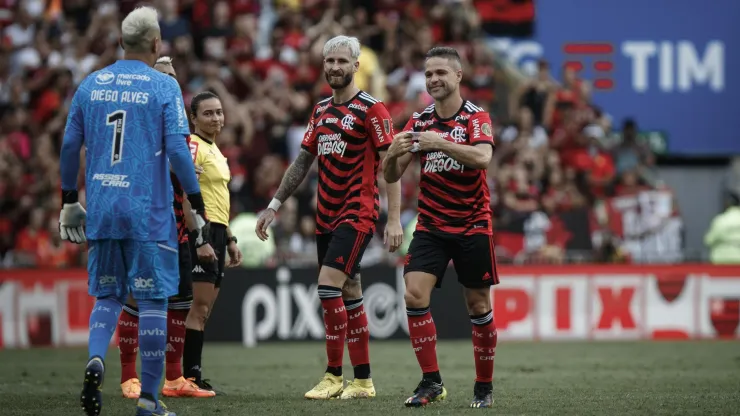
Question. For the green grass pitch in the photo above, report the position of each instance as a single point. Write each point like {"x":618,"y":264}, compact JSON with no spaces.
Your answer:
{"x":568,"y":378}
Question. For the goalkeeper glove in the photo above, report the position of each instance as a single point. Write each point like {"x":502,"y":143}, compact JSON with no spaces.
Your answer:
{"x":70,"y":223}
{"x":202,"y":225}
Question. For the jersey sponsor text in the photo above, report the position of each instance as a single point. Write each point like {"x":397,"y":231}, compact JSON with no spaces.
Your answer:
{"x":453,"y":198}
{"x":347,"y":139}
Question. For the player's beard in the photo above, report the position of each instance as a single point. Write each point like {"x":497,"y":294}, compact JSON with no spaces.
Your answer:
{"x":442,"y":91}
{"x":345,"y":81}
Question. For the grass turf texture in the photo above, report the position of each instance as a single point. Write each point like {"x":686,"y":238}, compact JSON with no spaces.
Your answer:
{"x":698,"y":378}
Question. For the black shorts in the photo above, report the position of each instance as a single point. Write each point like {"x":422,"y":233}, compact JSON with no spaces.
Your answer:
{"x":342,"y":249}
{"x":472,"y":255}
{"x":184,"y":296}
{"x":211,"y":272}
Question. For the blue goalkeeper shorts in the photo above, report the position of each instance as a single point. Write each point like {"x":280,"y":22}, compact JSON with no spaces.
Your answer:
{"x":146,"y":269}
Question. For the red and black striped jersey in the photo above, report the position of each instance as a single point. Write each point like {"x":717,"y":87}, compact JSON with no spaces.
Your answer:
{"x":182,"y":227}
{"x":347,"y":139}
{"x":453,"y":198}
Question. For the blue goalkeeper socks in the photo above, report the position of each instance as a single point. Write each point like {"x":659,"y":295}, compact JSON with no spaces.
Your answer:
{"x":103,"y":320}
{"x":152,"y":345}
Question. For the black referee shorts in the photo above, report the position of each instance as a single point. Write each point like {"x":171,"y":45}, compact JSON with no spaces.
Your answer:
{"x":211,"y":272}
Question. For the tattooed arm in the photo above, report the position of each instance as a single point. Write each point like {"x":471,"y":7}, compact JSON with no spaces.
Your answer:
{"x":295,"y":175}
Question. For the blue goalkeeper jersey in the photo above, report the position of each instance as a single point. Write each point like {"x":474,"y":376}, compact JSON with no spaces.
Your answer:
{"x":122,"y":114}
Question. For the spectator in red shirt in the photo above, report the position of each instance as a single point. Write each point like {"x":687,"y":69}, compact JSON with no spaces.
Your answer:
{"x":563,"y":99}
{"x":568,"y":140}
{"x":521,"y":195}
{"x":601,"y":173}
{"x":32,"y":237}
{"x":563,"y":192}
{"x":595,"y":161}
{"x":54,"y":253}
{"x":556,"y":198}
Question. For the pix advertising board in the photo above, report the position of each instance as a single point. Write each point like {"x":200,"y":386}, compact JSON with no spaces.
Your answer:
{"x":545,"y":303}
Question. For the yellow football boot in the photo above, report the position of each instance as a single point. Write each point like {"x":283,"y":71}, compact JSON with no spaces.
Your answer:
{"x":359,"y":389}
{"x":329,"y":387}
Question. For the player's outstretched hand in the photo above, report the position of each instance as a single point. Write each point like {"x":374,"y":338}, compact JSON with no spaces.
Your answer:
{"x":263,"y":223}
{"x":70,"y":223}
{"x":393,"y":235}
{"x":205,"y":253}
{"x":235,"y":255}
{"x":402,"y":144}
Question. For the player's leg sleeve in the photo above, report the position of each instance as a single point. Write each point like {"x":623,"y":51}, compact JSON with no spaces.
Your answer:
{"x":103,"y":320}
{"x":152,"y":343}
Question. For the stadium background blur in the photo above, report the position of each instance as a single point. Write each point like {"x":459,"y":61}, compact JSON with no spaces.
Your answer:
{"x":559,"y":165}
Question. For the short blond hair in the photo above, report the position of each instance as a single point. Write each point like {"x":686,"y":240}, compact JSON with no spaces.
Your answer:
{"x":139,"y":29}
{"x":164,"y":60}
{"x":338,"y":42}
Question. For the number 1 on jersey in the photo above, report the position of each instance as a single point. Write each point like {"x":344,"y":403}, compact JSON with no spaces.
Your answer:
{"x":117,"y":119}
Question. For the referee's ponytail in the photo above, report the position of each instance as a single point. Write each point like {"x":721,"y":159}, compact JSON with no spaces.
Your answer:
{"x":200,"y":97}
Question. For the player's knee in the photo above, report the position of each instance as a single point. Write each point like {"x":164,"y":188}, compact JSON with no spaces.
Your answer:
{"x":329,"y":276}
{"x":418,"y":289}
{"x":200,"y":310}
{"x":119,"y":299}
{"x":478,"y":308}
{"x":416,"y":297}
{"x":478,"y":301}
{"x":352,"y":288}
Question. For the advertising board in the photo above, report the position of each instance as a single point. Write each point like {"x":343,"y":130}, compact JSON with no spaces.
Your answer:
{"x":546,"y":303}
{"x":671,"y":65}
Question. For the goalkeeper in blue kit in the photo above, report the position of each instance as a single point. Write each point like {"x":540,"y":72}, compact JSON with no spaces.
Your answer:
{"x":132,"y":122}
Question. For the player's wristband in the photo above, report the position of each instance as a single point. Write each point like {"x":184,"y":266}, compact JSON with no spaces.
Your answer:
{"x":200,"y":237}
{"x":274,"y":204}
{"x":193,"y":236}
{"x":69,"y":197}
{"x":196,"y":202}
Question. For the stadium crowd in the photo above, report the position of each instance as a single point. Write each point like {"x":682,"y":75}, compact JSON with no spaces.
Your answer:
{"x":263,"y":58}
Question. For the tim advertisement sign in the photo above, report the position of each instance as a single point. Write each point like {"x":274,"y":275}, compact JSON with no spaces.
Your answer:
{"x":672,"y":65}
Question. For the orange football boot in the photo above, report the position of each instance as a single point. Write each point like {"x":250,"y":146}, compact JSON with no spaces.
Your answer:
{"x":185,"y":387}
{"x":131,"y":388}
